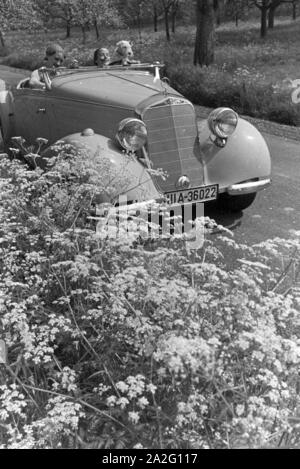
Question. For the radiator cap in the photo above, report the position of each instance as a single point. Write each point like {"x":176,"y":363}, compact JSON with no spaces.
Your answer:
{"x":87,"y":133}
{"x":183,"y":182}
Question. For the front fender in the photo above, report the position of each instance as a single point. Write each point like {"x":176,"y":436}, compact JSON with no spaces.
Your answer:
{"x":245,"y":156}
{"x":138,"y":184}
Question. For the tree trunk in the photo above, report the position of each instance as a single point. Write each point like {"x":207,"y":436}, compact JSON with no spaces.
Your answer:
{"x":96,"y":26}
{"x":174,"y":15}
{"x":167,"y":25}
{"x":83,"y":34}
{"x":2,"y":40}
{"x":205,"y":35}
{"x":294,"y":10}
{"x":139,"y":24}
{"x":217,"y":11}
{"x":155,"y":20}
{"x":271,"y":15}
{"x":263,"y":19}
{"x":68,"y":29}
{"x":236,"y":20}
{"x":173,"y":21}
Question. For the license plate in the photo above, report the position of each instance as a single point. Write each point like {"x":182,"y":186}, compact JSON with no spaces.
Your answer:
{"x":197,"y":194}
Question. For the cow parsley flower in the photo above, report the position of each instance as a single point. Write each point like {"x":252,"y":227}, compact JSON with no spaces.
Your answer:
{"x":134,"y":417}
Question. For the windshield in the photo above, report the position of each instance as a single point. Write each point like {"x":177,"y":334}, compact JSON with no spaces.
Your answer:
{"x":146,"y":67}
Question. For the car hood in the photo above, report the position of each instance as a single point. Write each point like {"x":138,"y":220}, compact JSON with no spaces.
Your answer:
{"x":123,"y":89}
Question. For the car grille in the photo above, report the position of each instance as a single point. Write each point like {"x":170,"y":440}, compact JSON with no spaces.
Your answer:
{"x":173,"y":142}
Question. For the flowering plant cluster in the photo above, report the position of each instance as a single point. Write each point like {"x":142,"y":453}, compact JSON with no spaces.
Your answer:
{"x":120,"y":344}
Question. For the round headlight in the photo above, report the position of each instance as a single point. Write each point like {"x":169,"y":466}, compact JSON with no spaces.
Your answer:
{"x":132,"y":134}
{"x":222,"y":122}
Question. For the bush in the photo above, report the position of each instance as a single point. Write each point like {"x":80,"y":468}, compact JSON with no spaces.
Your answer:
{"x":244,"y":90}
{"x":3,"y":51}
{"x":117,"y":345}
{"x":24,"y":61}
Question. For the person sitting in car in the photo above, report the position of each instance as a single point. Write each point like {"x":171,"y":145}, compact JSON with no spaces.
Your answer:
{"x":101,"y":57}
{"x":124,"y":54}
{"x":54,"y":58}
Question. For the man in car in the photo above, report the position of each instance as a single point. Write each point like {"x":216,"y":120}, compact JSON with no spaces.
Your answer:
{"x":54,"y":58}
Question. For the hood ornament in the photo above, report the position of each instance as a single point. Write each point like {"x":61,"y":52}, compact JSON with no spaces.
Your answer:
{"x":157,"y":74}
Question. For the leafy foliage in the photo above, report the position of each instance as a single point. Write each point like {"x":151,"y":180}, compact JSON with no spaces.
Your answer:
{"x":17,"y":14}
{"x":244,"y":89}
{"x":114,"y":344}
{"x":83,"y":13}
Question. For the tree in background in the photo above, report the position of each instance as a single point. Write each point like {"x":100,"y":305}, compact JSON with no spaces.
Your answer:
{"x":275,"y":4}
{"x":82,"y":13}
{"x":167,"y":5}
{"x":156,"y":10}
{"x":294,"y":4}
{"x":170,"y":9}
{"x":219,"y":10}
{"x":271,"y":14}
{"x":94,"y":13}
{"x":174,"y":12}
{"x":17,"y":14}
{"x":205,"y":34}
{"x":267,"y":11}
{"x":263,"y":6}
{"x":134,"y":11}
{"x":58,"y":9}
{"x":236,"y":9}
{"x":294,"y":8}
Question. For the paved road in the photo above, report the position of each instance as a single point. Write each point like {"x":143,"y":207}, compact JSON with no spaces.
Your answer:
{"x":12,"y":76}
{"x":275,"y":210}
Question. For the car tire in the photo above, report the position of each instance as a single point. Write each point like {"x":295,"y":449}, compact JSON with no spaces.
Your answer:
{"x":236,"y":203}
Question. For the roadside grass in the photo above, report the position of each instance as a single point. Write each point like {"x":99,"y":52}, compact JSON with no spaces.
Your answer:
{"x":251,"y":75}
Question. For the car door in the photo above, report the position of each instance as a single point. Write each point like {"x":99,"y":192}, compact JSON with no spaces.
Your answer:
{"x":33,"y":114}
{"x":74,"y":115}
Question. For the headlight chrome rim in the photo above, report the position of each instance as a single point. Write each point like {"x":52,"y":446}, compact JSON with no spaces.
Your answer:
{"x":132,"y":134}
{"x":222,"y":122}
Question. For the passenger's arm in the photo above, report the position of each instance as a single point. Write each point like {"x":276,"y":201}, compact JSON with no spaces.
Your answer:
{"x":35,"y":80}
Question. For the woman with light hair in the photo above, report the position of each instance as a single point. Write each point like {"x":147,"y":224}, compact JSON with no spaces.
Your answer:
{"x":101,"y":57}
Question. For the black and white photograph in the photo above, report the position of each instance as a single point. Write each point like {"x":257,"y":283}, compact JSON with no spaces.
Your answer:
{"x":149,"y":227}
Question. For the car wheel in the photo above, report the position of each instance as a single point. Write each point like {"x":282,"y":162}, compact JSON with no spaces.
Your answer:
{"x":236,"y":203}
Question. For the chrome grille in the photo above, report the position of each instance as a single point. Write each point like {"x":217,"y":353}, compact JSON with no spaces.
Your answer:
{"x":172,"y":142}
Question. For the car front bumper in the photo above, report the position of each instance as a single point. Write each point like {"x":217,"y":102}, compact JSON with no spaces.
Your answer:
{"x":248,"y":187}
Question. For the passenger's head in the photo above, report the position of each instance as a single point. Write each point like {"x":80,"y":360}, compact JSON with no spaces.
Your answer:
{"x":101,"y":57}
{"x":124,"y":49}
{"x":54,"y":55}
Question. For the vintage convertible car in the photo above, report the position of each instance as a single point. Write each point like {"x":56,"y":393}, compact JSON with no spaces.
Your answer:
{"x":131,"y":110}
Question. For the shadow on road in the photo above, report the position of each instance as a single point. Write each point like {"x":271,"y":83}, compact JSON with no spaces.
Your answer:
{"x":230,"y":220}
